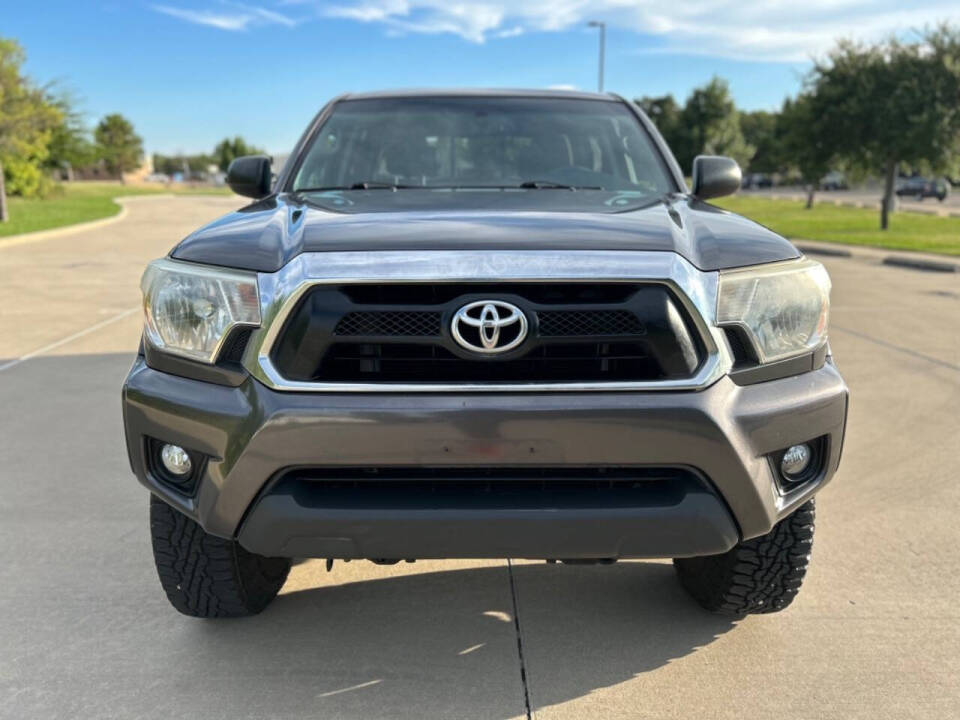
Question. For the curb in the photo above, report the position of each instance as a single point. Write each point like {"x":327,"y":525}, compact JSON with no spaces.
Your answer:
{"x":866,"y":253}
{"x":928,"y":262}
{"x":816,"y":250}
{"x":919,"y":264}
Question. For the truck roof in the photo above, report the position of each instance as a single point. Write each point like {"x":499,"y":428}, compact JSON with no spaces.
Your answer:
{"x":481,"y":92}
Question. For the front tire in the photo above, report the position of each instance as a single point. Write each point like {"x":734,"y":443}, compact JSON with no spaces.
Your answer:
{"x":208,"y":576}
{"x":760,"y":575}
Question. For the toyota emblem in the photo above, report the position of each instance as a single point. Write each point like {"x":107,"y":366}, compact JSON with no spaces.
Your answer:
{"x":489,"y":326}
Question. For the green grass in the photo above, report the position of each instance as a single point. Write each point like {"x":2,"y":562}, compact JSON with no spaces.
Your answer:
{"x":80,"y":202}
{"x":857,"y":226}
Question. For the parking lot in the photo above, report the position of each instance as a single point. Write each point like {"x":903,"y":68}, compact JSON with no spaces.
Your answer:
{"x":860,"y":197}
{"x":87,"y":633}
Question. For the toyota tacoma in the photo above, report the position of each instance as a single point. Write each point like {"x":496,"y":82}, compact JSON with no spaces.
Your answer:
{"x":483,"y":324}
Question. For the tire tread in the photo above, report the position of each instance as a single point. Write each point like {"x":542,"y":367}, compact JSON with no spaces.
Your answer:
{"x":760,"y":575}
{"x":208,"y":576}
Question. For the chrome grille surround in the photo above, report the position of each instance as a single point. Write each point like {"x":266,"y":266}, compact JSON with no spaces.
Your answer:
{"x":280,"y":292}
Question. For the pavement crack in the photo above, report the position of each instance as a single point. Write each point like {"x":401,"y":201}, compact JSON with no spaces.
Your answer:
{"x":516,"y":625}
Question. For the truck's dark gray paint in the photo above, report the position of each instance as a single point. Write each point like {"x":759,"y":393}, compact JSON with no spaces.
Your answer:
{"x":266,"y":235}
{"x":251,"y":433}
{"x":648,"y":461}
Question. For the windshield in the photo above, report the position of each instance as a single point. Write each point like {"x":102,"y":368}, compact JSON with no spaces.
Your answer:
{"x":477,"y":142}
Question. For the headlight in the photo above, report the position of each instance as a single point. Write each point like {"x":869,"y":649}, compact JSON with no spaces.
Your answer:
{"x":783,"y":307}
{"x":190,"y":309}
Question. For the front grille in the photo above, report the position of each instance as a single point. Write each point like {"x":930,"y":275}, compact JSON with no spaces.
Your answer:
{"x":390,"y":323}
{"x":402,"y":333}
{"x":435,"y":488}
{"x":409,"y":362}
{"x":566,"y":323}
{"x":552,"y":323}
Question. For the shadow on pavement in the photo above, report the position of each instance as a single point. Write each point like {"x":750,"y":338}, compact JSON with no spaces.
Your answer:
{"x":589,"y":627}
{"x":443,"y":644}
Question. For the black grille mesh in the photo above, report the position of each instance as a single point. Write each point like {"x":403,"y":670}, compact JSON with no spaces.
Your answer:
{"x":390,"y":323}
{"x":572,"y":323}
{"x":235,"y":345}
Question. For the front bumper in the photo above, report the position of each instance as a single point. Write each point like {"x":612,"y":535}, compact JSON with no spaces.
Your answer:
{"x":252,"y":435}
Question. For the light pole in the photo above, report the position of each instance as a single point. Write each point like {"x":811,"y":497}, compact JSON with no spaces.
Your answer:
{"x":603,"y":42}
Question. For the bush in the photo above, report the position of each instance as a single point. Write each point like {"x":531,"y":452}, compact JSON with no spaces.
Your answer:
{"x":25,"y":178}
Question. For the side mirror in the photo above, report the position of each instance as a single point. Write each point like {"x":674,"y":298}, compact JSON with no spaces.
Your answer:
{"x":250,"y":176}
{"x":715,"y":176}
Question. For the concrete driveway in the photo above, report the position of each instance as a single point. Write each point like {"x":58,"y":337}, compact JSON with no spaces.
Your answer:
{"x":85,"y":631}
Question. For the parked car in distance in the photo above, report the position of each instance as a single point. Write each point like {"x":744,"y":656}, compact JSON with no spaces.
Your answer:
{"x":921,"y":187}
{"x":483,"y":324}
{"x":754,"y":181}
{"x":834,"y":180}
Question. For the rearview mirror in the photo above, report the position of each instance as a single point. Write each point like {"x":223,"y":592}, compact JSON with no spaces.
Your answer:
{"x":250,"y":176}
{"x":715,"y":176}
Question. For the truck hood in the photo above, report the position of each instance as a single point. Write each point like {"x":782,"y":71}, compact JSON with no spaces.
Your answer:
{"x":266,"y":235}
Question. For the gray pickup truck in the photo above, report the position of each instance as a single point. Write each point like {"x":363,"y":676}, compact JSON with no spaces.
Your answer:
{"x":483,"y":324}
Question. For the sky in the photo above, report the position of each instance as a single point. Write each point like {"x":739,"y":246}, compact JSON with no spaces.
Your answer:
{"x":188,"y":73}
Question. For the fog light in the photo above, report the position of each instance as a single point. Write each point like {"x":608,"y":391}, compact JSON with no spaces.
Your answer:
{"x":176,"y":460}
{"x":795,"y":460}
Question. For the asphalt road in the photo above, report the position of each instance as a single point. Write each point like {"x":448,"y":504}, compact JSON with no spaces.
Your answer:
{"x":85,"y":631}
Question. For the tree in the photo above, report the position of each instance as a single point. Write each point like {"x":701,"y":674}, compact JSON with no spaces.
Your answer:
{"x":713,"y":123}
{"x":760,"y":132}
{"x":167,"y":164}
{"x":805,"y":142}
{"x":893,"y":103}
{"x":70,"y":146}
{"x":26,"y":122}
{"x":707,"y":123}
{"x":228,"y":150}
{"x":120,"y":148}
{"x":665,"y":114}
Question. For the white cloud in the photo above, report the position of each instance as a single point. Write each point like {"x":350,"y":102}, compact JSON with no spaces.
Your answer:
{"x":511,"y":32}
{"x":774,"y":30}
{"x":271,"y":16}
{"x":228,"y":16}
{"x":769,"y":30}
{"x":562,"y":86}
{"x":473,"y":21}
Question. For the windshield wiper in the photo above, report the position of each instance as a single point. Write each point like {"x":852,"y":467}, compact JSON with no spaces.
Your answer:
{"x":550,"y":185}
{"x":376,"y":185}
{"x":365,"y":185}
